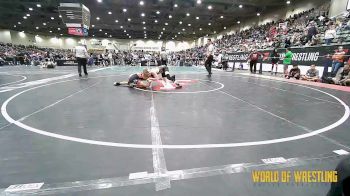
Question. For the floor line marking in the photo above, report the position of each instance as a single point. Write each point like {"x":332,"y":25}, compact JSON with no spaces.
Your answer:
{"x":188,"y":146}
{"x":176,"y":175}
{"x":57,"y":102}
{"x":159,"y":164}
{"x":300,"y":82}
{"x":46,"y":107}
{"x":138,"y":175}
{"x":281,"y":81}
{"x":274,"y":160}
{"x":341,"y":152}
{"x":24,"y":187}
{"x":294,"y":93}
{"x":262,"y":109}
{"x":23,"y":78}
{"x":61,"y":100}
{"x":284,"y":119}
{"x":6,"y":126}
{"x":241,"y":75}
{"x":33,"y":83}
{"x":42,"y":81}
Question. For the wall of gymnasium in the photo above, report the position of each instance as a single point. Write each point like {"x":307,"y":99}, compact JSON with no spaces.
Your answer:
{"x":5,"y":36}
{"x":22,"y":38}
{"x":338,"y":7}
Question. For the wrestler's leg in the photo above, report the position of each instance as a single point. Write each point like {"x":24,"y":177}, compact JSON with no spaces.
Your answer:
{"x":122,"y":83}
{"x":132,"y":79}
{"x":166,"y":74}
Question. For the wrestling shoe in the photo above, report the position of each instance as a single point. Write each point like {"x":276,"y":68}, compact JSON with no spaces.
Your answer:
{"x":116,"y":84}
{"x":178,"y":86}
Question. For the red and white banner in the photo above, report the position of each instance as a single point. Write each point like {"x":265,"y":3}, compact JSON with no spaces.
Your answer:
{"x":75,"y":31}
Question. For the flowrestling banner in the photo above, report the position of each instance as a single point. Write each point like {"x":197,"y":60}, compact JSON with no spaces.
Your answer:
{"x":301,"y":56}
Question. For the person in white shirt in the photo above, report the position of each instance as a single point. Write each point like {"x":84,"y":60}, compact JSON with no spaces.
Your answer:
{"x":163,"y":58}
{"x":209,"y":53}
{"x":219,"y":59}
{"x":81,"y":55}
{"x":110,"y":57}
{"x":330,"y":34}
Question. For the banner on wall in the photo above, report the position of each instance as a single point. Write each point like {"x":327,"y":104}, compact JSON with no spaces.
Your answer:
{"x":301,"y":56}
{"x":147,"y":48}
{"x":66,"y":63}
{"x":78,"y":31}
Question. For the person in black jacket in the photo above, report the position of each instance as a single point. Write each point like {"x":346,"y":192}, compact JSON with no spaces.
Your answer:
{"x":275,"y":57}
{"x":342,"y":187}
{"x":294,"y":73}
{"x":311,"y":31}
{"x":287,"y":43}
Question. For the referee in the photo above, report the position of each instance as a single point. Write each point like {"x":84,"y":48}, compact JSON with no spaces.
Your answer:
{"x":209,"y":61}
{"x":163,"y":58}
{"x":81,"y":55}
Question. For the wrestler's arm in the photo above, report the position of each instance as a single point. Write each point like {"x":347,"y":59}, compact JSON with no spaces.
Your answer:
{"x":154,"y":76}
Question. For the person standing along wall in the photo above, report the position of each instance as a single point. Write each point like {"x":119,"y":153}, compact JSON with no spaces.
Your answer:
{"x":275,"y":57}
{"x":287,"y":61}
{"x":253,"y":60}
{"x":338,"y":60}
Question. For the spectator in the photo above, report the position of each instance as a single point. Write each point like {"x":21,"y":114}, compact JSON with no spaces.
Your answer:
{"x":225,"y":61}
{"x":338,"y":60}
{"x":342,"y":186}
{"x":347,"y":27}
{"x":2,"y":61}
{"x":326,"y":62}
{"x":275,"y":57}
{"x":312,"y":74}
{"x":91,"y":60}
{"x":330,"y":34}
{"x":343,"y":78}
{"x":110,"y":58}
{"x":304,"y":39}
{"x":253,"y":60}
{"x":311,"y":31}
{"x":287,"y":61}
{"x":294,"y":73}
{"x":287,"y":43}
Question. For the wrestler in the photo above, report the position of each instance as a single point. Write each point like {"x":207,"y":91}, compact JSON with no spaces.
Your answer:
{"x":139,"y":80}
{"x":163,"y":72}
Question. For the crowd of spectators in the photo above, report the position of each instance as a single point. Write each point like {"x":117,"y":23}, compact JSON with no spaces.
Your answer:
{"x":12,"y":54}
{"x":309,"y":28}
